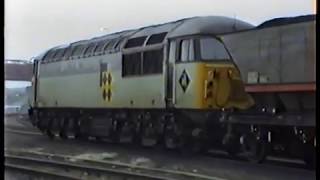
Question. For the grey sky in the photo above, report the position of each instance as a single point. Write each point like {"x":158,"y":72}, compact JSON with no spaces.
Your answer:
{"x":32,"y":26}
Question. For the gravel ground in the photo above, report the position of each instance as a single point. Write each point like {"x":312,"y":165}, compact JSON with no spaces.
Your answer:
{"x":219,"y":167}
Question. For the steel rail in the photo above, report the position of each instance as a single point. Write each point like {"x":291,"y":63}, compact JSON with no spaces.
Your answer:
{"x":26,"y":169}
{"x":34,"y":133}
{"x":25,"y":165}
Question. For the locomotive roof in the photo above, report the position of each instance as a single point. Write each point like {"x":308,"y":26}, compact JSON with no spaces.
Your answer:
{"x":195,"y":25}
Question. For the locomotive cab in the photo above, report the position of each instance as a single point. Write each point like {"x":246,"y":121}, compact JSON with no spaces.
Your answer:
{"x":205,"y":75}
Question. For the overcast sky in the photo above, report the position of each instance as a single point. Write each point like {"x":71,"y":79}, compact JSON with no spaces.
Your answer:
{"x":32,"y":26}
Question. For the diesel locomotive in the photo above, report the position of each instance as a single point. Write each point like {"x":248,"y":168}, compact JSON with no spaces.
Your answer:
{"x":178,"y":84}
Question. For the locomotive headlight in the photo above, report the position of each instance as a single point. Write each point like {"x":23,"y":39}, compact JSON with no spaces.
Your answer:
{"x":210,"y":74}
{"x":230,"y":73}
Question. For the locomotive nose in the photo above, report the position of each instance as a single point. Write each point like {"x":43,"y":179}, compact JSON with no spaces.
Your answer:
{"x":223,"y":88}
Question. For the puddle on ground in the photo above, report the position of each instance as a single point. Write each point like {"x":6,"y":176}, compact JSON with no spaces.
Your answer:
{"x":95,"y":156}
{"x":142,"y":161}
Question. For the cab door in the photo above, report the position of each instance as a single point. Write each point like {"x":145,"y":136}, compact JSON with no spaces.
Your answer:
{"x":187,"y":92}
{"x":181,"y":74}
{"x":170,"y":74}
{"x":34,"y":82}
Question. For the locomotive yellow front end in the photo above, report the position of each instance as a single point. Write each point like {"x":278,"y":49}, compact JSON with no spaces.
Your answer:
{"x":222,"y":87}
{"x":208,"y":77}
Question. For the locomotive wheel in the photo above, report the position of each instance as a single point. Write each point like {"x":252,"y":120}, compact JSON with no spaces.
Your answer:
{"x":309,"y":155}
{"x":41,"y":125}
{"x":136,"y":139}
{"x":77,"y":128}
{"x":48,"y":130}
{"x":199,"y":141}
{"x":115,"y":131}
{"x":232,"y":145}
{"x":178,"y":135}
{"x":115,"y":137}
{"x":232,"y":150}
{"x":149,"y":135}
{"x":98,"y":138}
{"x":81,"y":137}
{"x":63,"y":128}
{"x":126,"y":133}
{"x":38,"y":124}
{"x":172,"y":136}
{"x":254,"y":149}
{"x":34,"y":120}
{"x":178,"y":138}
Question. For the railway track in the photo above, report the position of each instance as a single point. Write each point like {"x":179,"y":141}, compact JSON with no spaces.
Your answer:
{"x":215,"y":165}
{"x":277,"y":161}
{"x":66,"y":167}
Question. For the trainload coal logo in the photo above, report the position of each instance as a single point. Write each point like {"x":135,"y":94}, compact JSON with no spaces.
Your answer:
{"x":184,"y":80}
{"x":106,"y":86}
{"x":105,"y":83}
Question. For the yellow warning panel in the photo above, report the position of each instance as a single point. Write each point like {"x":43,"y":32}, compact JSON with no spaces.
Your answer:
{"x":106,"y":86}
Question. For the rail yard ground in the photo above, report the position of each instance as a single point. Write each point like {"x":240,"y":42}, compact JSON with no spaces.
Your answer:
{"x":20,"y":136}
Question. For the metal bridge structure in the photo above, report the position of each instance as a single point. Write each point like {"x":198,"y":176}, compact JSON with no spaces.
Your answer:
{"x":18,"y":70}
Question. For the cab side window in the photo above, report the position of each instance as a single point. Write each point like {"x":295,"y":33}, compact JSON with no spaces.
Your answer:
{"x":184,"y":48}
{"x":187,"y":50}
